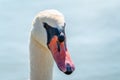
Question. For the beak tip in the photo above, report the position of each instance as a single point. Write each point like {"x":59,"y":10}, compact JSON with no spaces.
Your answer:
{"x":69,"y":69}
{"x":68,"y":72}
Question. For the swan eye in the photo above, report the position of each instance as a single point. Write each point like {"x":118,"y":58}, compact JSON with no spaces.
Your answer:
{"x":61,"y":37}
{"x":54,"y":31}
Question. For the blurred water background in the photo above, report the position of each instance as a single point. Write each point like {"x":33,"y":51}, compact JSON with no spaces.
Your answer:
{"x":93,"y":37}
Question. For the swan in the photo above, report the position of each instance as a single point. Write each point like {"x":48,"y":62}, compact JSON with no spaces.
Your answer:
{"x":48,"y":44}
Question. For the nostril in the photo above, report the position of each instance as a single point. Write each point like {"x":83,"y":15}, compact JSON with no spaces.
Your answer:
{"x":61,"y":37}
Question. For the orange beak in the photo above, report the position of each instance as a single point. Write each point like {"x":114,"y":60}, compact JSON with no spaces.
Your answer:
{"x":61,"y":55}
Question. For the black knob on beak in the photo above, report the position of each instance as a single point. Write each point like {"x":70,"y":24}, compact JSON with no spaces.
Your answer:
{"x":61,"y":37}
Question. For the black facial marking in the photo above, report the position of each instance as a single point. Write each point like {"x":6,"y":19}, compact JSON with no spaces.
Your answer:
{"x":54,"y":31}
{"x":58,"y":46}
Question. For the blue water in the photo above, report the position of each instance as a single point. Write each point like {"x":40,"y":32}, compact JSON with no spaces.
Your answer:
{"x":93,"y":37}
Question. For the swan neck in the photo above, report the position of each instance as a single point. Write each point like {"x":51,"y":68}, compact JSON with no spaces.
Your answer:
{"x":41,"y":61}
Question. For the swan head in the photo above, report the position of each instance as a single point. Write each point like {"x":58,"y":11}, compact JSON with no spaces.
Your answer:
{"x":49,"y":31}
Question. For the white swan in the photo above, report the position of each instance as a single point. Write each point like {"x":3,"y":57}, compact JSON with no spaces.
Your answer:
{"x":48,"y":43}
